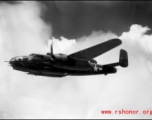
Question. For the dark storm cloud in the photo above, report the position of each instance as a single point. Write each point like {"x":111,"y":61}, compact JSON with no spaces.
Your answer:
{"x":11,"y":2}
{"x":78,"y":18}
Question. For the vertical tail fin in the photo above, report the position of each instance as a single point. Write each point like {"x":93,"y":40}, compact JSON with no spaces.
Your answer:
{"x":123,"y":59}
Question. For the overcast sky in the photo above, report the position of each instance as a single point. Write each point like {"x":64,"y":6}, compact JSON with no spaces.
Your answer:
{"x":73,"y":19}
{"x":28,"y":27}
{"x":78,"y":18}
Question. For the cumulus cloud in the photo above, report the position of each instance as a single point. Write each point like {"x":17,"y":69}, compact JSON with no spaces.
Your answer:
{"x":130,"y":87}
{"x":123,"y":89}
{"x":22,"y":32}
{"x":61,"y":45}
{"x":24,"y":96}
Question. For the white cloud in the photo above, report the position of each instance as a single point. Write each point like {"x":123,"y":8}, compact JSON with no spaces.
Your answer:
{"x":129,"y":88}
{"x":22,"y":32}
{"x":61,"y":45}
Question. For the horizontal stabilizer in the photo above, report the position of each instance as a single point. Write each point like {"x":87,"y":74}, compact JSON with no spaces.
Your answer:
{"x":123,"y":60}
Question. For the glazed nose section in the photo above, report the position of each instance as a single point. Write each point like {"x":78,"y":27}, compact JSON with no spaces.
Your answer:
{"x":12,"y":61}
{"x":15,"y":59}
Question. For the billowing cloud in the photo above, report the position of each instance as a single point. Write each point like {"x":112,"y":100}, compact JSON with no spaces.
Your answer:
{"x":22,"y":32}
{"x":129,"y":88}
{"x":61,"y":45}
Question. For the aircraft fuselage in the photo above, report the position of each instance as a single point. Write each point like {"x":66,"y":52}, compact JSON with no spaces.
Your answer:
{"x":45,"y":65}
{"x":76,"y":64}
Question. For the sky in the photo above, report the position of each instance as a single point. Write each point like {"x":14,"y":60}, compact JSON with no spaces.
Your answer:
{"x":78,"y":18}
{"x":30,"y":27}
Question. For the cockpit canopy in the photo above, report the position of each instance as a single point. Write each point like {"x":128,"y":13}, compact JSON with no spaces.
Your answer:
{"x":18,"y":58}
{"x":61,"y":56}
{"x":36,"y":55}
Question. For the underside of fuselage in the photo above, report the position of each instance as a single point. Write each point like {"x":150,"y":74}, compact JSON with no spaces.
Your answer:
{"x":60,"y":72}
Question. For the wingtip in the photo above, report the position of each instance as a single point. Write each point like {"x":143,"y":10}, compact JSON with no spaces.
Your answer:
{"x":118,"y":40}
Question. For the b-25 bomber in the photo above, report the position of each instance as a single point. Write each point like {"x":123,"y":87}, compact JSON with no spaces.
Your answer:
{"x":77,"y":64}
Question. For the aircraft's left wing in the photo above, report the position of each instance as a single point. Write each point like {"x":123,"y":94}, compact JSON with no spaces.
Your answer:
{"x":96,"y":50}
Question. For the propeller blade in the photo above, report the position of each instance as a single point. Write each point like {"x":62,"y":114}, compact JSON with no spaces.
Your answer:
{"x":51,"y":49}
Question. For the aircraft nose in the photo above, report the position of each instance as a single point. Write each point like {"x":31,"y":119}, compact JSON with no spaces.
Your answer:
{"x":12,"y":61}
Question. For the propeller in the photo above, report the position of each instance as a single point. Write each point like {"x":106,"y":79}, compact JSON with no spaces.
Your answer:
{"x":51,"y":52}
{"x":51,"y":49}
{"x":8,"y":63}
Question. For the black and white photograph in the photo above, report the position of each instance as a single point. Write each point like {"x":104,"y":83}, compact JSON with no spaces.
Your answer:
{"x":75,"y":59}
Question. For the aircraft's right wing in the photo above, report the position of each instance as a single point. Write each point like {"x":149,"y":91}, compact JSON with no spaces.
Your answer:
{"x":96,"y":50}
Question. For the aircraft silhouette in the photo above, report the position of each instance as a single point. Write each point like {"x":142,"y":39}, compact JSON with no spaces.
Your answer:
{"x":77,"y":64}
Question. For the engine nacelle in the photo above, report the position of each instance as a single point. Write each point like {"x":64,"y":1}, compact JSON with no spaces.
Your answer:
{"x":48,"y":54}
{"x":93,"y":61}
